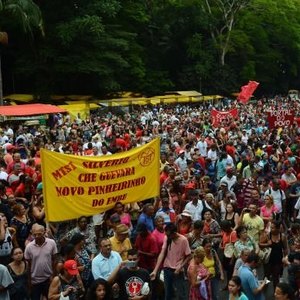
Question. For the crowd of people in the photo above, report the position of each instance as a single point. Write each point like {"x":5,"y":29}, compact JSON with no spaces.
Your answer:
{"x":225,"y":225}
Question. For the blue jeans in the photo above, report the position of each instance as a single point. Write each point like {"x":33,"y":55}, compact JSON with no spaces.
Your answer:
{"x":215,"y":288}
{"x":175,"y":281}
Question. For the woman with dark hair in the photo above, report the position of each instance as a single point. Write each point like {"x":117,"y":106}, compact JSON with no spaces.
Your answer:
{"x":124,"y":217}
{"x":99,"y":290}
{"x":278,"y":243}
{"x":235,"y":289}
{"x":231,"y":215}
{"x":229,"y":237}
{"x":83,"y":259}
{"x":7,"y":240}
{"x":88,"y":230}
{"x":67,"y":252}
{"x":195,"y":237}
{"x":211,"y":227}
{"x":174,"y":256}
{"x":244,"y":242}
{"x":38,"y":210}
{"x":20,"y":273}
{"x":21,"y":223}
{"x":283,"y":291}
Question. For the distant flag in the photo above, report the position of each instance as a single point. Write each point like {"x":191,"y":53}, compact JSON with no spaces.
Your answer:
{"x":247,"y":91}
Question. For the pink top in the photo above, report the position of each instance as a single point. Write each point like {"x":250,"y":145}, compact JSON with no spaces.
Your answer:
{"x":267,"y":212}
{"x":177,"y":252}
{"x":126,"y":220}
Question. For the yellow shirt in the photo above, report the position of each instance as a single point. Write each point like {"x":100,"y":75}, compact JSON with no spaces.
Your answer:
{"x":259,"y":152}
{"x":210,"y":265}
{"x":254,"y":226}
{"x":120,"y":247}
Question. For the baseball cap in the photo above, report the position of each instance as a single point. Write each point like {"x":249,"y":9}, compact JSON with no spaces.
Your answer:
{"x":71,"y":267}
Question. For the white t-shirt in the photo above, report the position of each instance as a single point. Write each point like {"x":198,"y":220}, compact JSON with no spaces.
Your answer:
{"x":278,"y":197}
{"x":212,"y":155}
{"x":230,"y":181}
{"x":195,"y":211}
{"x":202,"y":146}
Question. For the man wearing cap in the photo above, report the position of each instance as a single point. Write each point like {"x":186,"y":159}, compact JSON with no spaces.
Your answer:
{"x":224,"y":192}
{"x":40,"y":254}
{"x":120,"y":241}
{"x":106,"y":261}
{"x":195,"y":206}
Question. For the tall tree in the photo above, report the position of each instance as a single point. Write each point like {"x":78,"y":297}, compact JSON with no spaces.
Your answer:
{"x":223,"y":15}
{"x":26,"y":14}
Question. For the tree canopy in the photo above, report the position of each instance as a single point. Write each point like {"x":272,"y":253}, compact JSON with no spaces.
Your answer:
{"x":100,"y":46}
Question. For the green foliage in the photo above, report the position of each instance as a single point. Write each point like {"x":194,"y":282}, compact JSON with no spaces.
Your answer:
{"x":99,"y":46}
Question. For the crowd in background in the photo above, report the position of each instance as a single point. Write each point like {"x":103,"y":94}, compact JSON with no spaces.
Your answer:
{"x":225,"y":226}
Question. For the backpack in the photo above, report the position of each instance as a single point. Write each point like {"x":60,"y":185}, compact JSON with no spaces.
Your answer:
{"x":281,"y":194}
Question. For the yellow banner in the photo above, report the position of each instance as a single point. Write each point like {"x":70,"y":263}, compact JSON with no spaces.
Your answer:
{"x":76,"y":186}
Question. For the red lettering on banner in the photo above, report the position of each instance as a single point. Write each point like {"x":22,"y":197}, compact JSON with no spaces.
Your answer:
{"x":104,"y":189}
{"x":114,"y":199}
{"x":62,"y":171}
{"x":117,"y":173}
{"x":97,"y":202}
{"x":87,"y":177}
{"x":106,"y":163}
{"x":66,"y":190}
{"x":280,"y":118}
{"x":219,"y":116}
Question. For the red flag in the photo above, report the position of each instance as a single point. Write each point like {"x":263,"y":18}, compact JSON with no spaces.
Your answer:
{"x":247,"y":91}
{"x":219,"y":116}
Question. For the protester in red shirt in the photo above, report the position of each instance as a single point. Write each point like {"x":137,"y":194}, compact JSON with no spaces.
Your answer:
{"x":17,"y":160}
{"x":230,"y":149}
{"x":147,"y":248}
